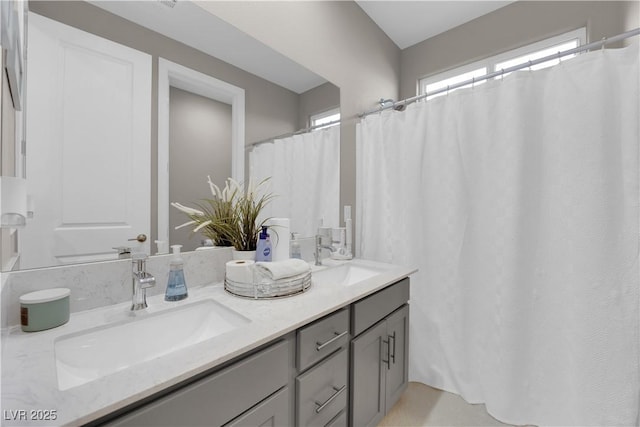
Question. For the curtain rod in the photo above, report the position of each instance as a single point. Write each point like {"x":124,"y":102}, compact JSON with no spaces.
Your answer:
{"x":594,"y":45}
{"x":298,"y":132}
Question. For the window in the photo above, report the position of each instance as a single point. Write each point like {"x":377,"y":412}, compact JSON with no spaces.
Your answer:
{"x":327,"y":118}
{"x":458,"y":78}
{"x":540,"y":54}
{"x":505,"y":60}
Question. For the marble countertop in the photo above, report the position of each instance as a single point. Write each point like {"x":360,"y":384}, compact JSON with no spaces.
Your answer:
{"x":29,"y":379}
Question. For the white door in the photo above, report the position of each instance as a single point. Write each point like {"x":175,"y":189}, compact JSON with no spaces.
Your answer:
{"x":88,"y":139}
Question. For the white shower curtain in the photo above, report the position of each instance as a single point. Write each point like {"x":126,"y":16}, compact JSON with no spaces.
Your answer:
{"x":518,"y":201}
{"x":304,"y":173}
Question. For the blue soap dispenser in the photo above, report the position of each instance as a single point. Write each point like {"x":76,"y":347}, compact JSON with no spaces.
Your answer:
{"x":176,"y":286}
{"x":263,"y":248}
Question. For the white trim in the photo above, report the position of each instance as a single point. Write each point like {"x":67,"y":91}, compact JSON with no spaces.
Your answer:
{"x":580,"y":34}
{"x":181,"y":77}
{"x":425,"y":81}
{"x":314,"y":118}
{"x":323,"y":114}
{"x":489,"y":63}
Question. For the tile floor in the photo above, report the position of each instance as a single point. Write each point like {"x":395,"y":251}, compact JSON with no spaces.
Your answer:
{"x":421,"y":405}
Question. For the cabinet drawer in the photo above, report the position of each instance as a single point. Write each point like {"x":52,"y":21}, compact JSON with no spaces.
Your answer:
{"x":322,"y":338}
{"x":370,"y":310}
{"x":322,"y":391}
{"x":272,"y":412}
{"x":211,"y":400}
{"x":339,"y":420}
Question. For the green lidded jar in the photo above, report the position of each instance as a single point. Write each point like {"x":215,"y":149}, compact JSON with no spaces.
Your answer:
{"x":44,"y":309}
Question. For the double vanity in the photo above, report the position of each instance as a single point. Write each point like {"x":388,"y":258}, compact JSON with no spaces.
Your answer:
{"x":334,"y":355}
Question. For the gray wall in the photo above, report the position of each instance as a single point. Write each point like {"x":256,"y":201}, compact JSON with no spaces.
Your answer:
{"x":317,"y":100}
{"x":513,"y":26}
{"x":632,"y":16}
{"x":334,"y":39}
{"x":203,"y":126}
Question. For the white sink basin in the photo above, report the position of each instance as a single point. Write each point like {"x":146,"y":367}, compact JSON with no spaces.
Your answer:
{"x":86,"y":356}
{"x":346,"y":274}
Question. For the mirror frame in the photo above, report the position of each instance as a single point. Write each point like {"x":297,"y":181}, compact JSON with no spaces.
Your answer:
{"x":181,"y":77}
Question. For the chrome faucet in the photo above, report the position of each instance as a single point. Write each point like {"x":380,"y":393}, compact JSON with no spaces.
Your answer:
{"x":334,"y":240}
{"x":141,"y":281}
{"x":323,"y":241}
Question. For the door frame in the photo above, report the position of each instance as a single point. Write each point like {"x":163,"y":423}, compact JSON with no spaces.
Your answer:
{"x":181,"y":77}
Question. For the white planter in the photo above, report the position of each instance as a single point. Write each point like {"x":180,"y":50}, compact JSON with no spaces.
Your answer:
{"x":246,"y":255}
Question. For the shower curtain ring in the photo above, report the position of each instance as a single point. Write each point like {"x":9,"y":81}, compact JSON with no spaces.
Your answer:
{"x":473,"y":81}
{"x":529,"y":65}
{"x":501,"y":74}
{"x":604,"y":41}
{"x":447,"y":89}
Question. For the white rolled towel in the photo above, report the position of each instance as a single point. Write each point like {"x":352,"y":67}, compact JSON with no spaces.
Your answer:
{"x":283,"y":269}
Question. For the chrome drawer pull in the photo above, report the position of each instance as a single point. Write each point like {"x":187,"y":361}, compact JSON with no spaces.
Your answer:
{"x":321,"y":406}
{"x":320,"y":346}
{"x":392,"y":356}
{"x":388,"y":360}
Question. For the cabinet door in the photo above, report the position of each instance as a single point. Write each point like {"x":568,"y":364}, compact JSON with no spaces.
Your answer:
{"x":272,"y":412}
{"x":339,"y":420}
{"x":368,"y":376}
{"x":397,"y":368}
{"x":213,"y":400}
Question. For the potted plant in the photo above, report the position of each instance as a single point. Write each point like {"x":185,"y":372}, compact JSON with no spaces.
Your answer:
{"x":231,"y":216}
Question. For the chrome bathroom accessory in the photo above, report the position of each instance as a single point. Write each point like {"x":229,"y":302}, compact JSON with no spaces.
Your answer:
{"x":141,"y":280}
{"x":340,"y":249}
{"x":339,"y":241}
{"x":323,"y":241}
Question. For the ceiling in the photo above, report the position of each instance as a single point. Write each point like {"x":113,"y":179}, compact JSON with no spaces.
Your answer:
{"x":410,"y":22}
{"x":188,"y":23}
{"x":405,"y":22}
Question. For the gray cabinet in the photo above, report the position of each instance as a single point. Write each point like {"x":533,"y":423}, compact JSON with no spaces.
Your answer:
{"x":397,"y":372}
{"x":368,"y":377}
{"x":379,"y":355}
{"x":272,"y":412}
{"x":321,"y":338}
{"x":339,"y":420}
{"x":322,"y":391}
{"x":322,"y":388}
{"x":220,"y":397}
{"x":317,"y":376}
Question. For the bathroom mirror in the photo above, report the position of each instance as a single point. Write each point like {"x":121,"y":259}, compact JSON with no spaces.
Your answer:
{"x":280,"y":97}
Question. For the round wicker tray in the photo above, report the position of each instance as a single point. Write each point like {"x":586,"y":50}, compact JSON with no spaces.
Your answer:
{"x":268,"y":289}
